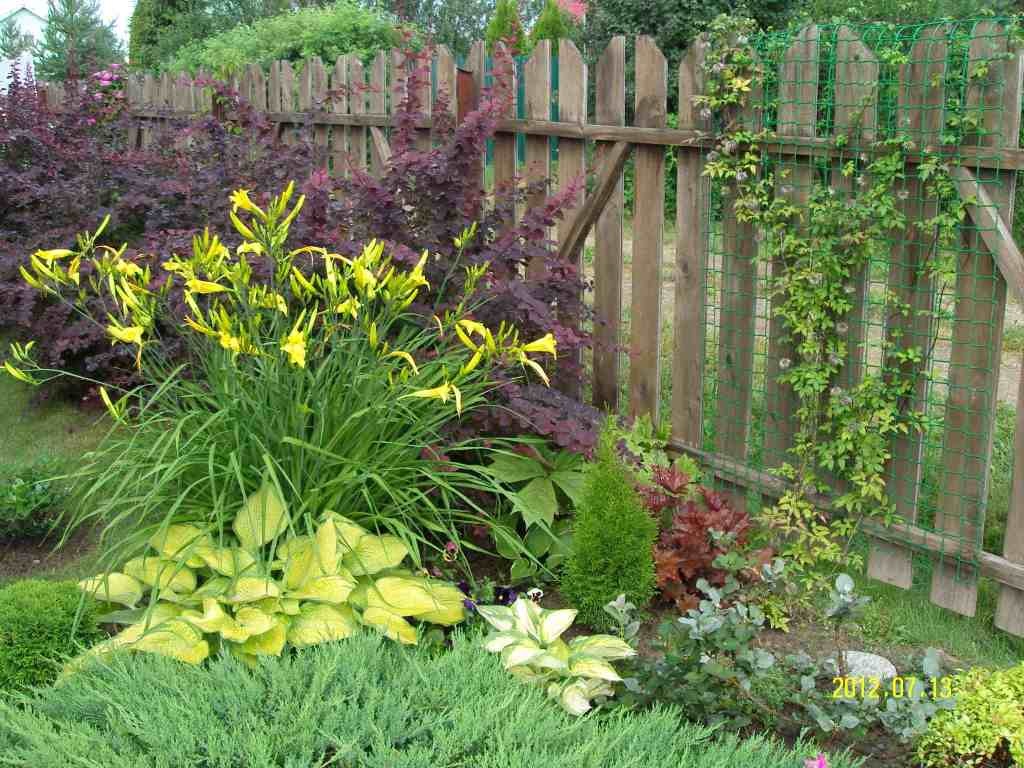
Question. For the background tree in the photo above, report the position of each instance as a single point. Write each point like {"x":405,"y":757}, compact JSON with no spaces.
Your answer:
{"x":151,"y":21}
{"x":76,"y":41}
{"x":13,"y":42}
{"x":506,"y":25}
{"x":553,"y":24}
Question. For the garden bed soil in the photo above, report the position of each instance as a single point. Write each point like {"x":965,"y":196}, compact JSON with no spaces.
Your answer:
{"x":27,"y":559}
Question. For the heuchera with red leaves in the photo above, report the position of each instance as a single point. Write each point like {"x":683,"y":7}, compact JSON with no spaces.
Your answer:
{"x":698,"y":525}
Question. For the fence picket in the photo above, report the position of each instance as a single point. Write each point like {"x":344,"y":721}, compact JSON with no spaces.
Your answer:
{"x":978,"y":328}
{"x":691,"y":259}
{"x":610,"y":109}
{"x":798,"y":100}
{"x":648,"y":234}
{"x":376,"y":99}
{"x":919,"y":113}
{"x":505,"y":143}
{"x":737,"y":327}
{"x":537,"y":77}
{"x":356,"y":79}
{"x":341,"y":84}
{"x":572,"y":163}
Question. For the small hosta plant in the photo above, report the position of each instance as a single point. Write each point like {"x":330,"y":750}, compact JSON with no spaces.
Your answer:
{"x":529,"y":639}
{"x":261,"y":587}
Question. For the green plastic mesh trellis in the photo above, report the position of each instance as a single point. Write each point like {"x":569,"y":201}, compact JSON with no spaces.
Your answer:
{"x":836,"y":90}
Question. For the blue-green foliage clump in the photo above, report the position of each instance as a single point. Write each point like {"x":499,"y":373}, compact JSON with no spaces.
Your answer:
{"x":40,"y":625}
{"x":613,"y":541}
{"x":360,"y":703}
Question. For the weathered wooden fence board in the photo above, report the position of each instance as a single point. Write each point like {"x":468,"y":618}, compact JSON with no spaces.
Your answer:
{"x":648,"y":234}
{"x":610,"y":110}
{"x":691,"y":261}
{"x":919,"y":114}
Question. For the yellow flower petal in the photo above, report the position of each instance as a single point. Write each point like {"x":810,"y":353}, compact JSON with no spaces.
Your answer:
{"x":405,"y":356}
{"x":546,"y":344}
{"x":204,"y":286}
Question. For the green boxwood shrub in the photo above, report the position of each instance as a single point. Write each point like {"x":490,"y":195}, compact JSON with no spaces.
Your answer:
{"x":40,"y":624}
{"x":359,"y":703}
{"x":341,"y":28}
{"x":988,"y":721}
{"x":612,"y":541}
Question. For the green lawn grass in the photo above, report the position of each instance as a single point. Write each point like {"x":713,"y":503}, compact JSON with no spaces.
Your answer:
{"x":33,"y":432}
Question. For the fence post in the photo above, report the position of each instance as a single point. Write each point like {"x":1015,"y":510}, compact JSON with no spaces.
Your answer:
{"x":377,"y":101}
{"x":505,"y":143}
{"x":537,"y":77}
{"x":691,"y":260}
{"x":610,"y":109}
{"x":648,"y":234}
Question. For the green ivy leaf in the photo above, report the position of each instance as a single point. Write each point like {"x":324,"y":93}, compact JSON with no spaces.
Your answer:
{"x":571,"y":484}
{"x":522,"y":569}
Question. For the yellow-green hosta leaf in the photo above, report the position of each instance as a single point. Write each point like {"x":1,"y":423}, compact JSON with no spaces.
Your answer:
{"x":179,"y":540}
{"x":325,"y":589}
{"x":215,"y":620}
{"x":349,"y":533}
{"x":590,"y":667}
{"x":401,"y":596}
{"x":498,"y":616}
{"x":290,"y":606}
{"x":321,"y":623}
{"x":391,"y":624}
{"x":269,"y":643}
{"x":528,"y":617}
{"x":606,"y":647}
{"x":451,"y":606}
{"x":255,"y":621}
{"x":249,"y":589}
{"x":373,"y":554}
{"x":162,"y":573}
{"x":228,"y":561}
{"x":216,"y":587}
{"x":114,"y":588}
{"x":250,"y":660}
{"x":307,"y":557}
{"x":554,"y":623}
{"x":499,"y":641}
{"x":176,"y":638}
{"x":263,"y":518}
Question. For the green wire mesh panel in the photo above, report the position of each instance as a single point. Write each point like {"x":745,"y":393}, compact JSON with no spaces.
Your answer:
{"x":949,"y":92}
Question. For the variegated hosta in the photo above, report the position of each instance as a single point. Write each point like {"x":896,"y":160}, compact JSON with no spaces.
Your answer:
{"x":528,"y":638}
{"x":264,"y":588}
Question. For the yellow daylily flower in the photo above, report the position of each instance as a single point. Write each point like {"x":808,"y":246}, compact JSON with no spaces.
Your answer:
{"x":230,"y":342}
{"x":131,"y":334}
{"x":32,"y":281}
{"x":473,"y":362}
{"x":294,"y":345}
{"x":116,"y":410}
{"x":443,"y":393}
{"x":473,"y":327}
{"x":405,"y":356}
{"x":249,"y":247}
{"x":440,"y":327}
{"x":465,"y":338}
{"x":53,"y":254}
{"x":18,"y":374}
{"x":204,"y":286}
{"x":545,"y":344}
{"x":373,"y":335}
{"x":240,"y":199}
{"x":203,"y":329}
{"x":127,"y":267}
{"x":536,"y":367}
{"x":241,"y":228}
{"x":349,"y":307}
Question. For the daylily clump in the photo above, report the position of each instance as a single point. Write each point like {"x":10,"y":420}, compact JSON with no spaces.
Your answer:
{"x":297,"y":314}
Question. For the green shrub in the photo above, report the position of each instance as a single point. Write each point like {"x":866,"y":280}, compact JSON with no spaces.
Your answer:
{"x":358,"y":703}
{"x":612,"y":542}
{"x":341,"y":28}
{"x":988,"y":719}
{"x":28,"y":499}
{"x":506,"y":26}
{"x":39,"y":624}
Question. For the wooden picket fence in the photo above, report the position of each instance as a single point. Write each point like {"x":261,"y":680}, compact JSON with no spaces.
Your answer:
{"x":723,"y":324}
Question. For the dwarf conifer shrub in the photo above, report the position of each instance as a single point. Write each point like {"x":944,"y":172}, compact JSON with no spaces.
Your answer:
{"x":40,"y":624}
{"x":612,"y":542}
{"x":357,"y":703}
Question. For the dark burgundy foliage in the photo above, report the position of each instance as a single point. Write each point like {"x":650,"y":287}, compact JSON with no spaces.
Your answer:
{"x":63,"y":172}
{"x":698,"y":525}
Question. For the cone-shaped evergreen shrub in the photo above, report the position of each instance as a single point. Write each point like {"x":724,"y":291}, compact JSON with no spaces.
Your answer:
{"x":612,"y":542}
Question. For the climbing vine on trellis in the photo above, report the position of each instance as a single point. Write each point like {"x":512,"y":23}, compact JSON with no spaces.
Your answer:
{"x":823,"y":241}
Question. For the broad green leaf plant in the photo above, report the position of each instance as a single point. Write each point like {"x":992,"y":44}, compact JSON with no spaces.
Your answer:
{"x":304,"y":368}
{"x":529,"y":639}
{"x":263,"y":588}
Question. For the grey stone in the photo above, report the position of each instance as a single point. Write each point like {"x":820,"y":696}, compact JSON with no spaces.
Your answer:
{"x":868,"y":665}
